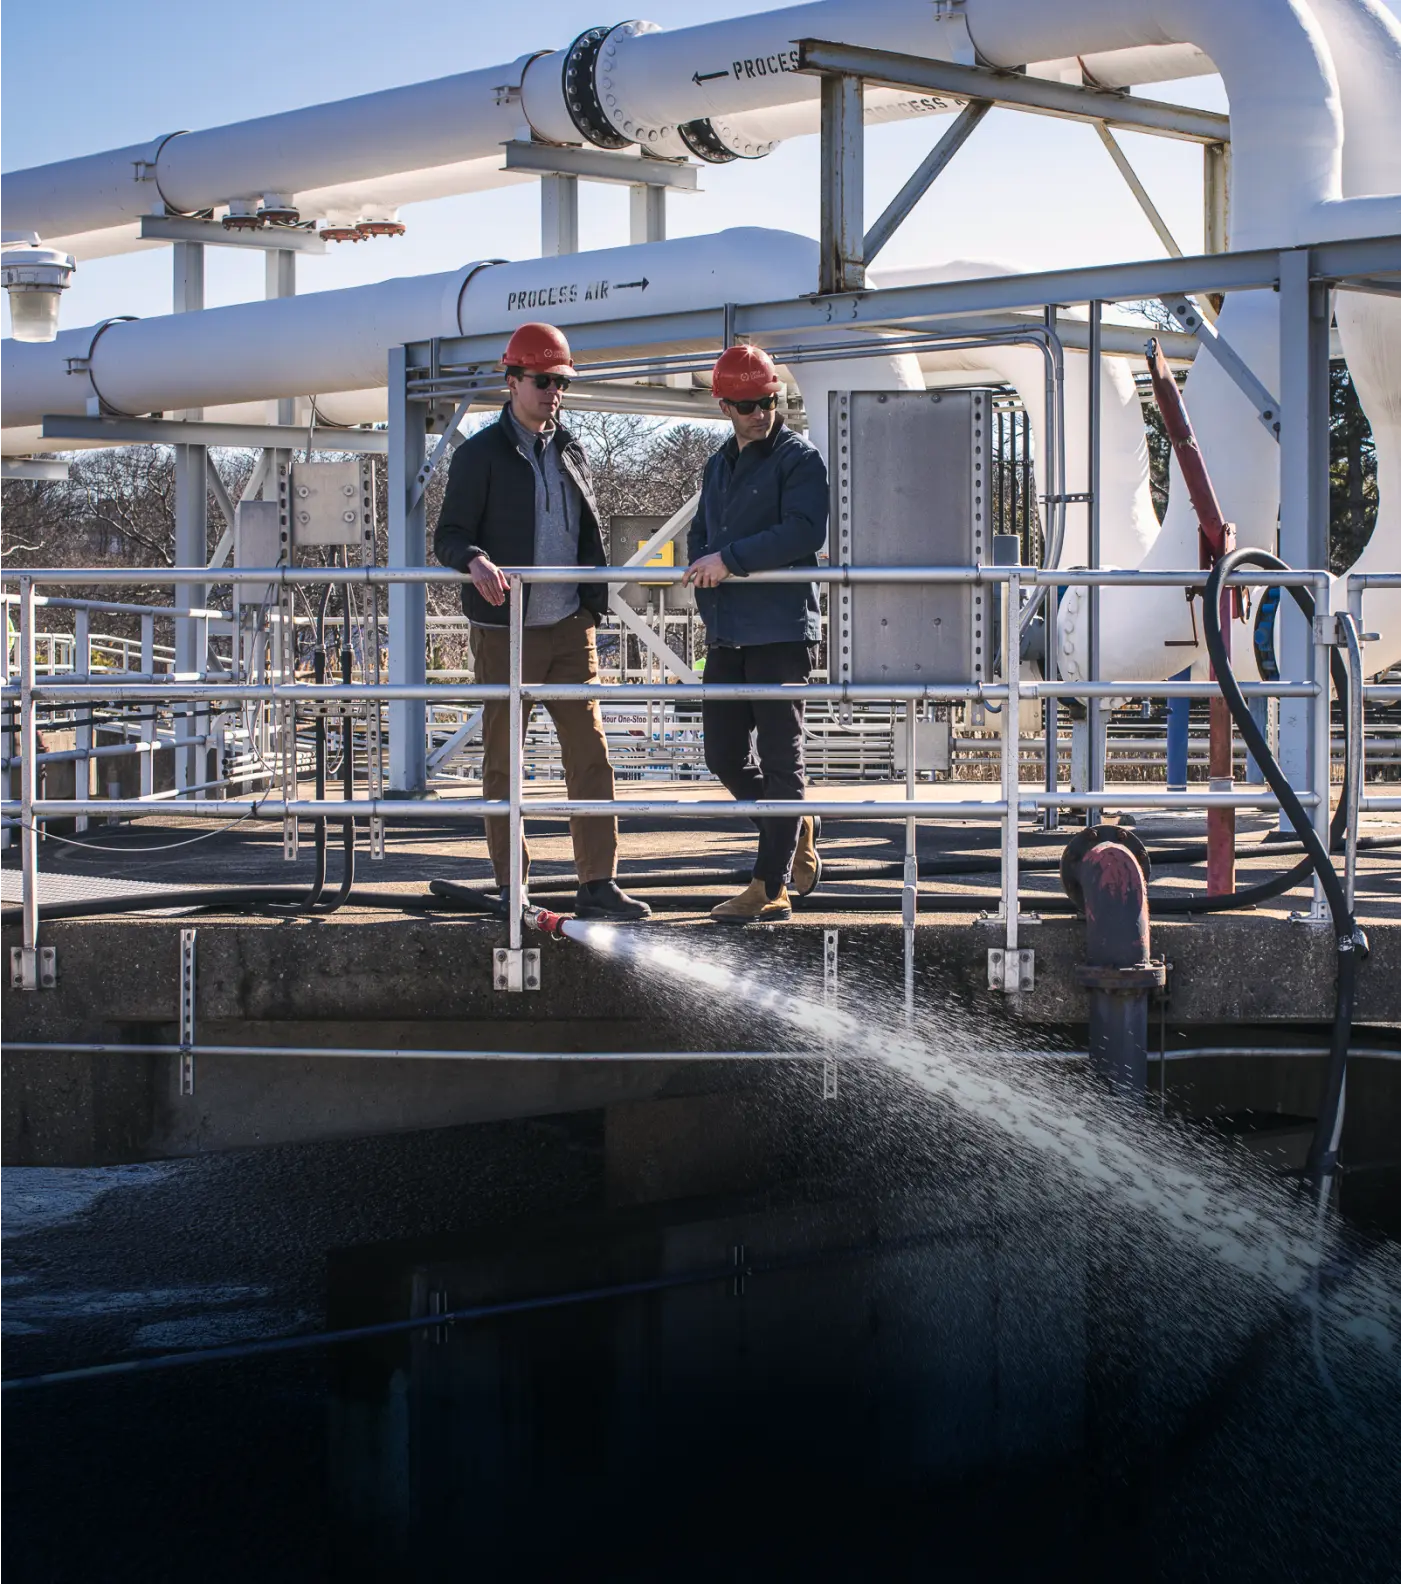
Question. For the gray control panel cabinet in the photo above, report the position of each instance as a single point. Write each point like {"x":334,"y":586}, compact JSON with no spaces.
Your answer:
{"x":909,"y":482}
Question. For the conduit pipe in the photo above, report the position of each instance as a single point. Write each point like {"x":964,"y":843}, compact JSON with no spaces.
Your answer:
{"x":339,"y":341}
{"x":721,"y":90}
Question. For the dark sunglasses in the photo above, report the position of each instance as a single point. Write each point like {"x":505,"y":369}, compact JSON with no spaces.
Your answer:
{"x":763,"y":403}
{"x":544,"y":381}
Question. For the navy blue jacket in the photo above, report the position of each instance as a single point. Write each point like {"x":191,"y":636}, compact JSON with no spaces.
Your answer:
{"x":761,"y":508}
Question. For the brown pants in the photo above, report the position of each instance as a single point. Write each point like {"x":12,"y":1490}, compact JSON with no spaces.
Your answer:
{"x":562,"y":653}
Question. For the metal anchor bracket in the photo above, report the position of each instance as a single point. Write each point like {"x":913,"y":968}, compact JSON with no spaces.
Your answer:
{"x":187,"y":1011}
{"x":515,"y":971}
{"x":33,"y":967}
{"x":1186,"y":313}
{"x":1011,"y":972}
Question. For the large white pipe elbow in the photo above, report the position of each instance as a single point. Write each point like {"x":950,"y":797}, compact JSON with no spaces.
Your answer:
{"x":1365,"y":42}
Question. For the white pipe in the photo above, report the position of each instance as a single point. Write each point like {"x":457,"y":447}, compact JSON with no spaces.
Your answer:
{"x":390,"y":148}
{"x":340,"y":340}
{"x":1365,"y":42}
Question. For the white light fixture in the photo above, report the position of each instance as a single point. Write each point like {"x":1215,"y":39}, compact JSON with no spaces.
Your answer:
{"x":35,"y":277}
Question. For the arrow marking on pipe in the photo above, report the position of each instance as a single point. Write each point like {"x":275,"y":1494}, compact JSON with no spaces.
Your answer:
{"x":704,"y":77}
{"x":624,"y":285}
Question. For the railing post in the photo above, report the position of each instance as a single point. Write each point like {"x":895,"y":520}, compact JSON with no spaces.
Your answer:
{"x":1011,"y":773}
{"x":28,"y":785}
{"x":516,"y":874}
{"x":7,"y":731}
{"x":82,"y":735}
{"x":1320,"y":718}
{"x":1096,"y":722}
{"x":909,"y":896}
{"x":1303,"y":490}
{"x":148,"y":723}
{"x":408,"y":547}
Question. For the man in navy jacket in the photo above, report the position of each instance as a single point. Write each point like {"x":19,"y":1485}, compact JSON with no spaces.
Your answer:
{"x":763,"y":505}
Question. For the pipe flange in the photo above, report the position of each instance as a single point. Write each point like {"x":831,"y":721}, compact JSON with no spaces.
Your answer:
{"x":1092,"y":836}
{"x":1132,"y":980}
{"x":581,"y":91}
{"x":660,"y":140}
{"x":704,"y":142}
{"x":83,"y":365}
{"x":741,"y":144}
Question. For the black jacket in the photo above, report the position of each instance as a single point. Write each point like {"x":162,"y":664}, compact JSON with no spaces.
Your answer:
{"x":761,"y":508}
{"x":489,"y":509}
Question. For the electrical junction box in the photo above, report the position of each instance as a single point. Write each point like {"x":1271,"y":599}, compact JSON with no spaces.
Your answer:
{"x":257,"y":543}
{"x":626,"y":536}
{"x":326,"y":504}
{"x":933,"y":746}
{"x":909,"y":479}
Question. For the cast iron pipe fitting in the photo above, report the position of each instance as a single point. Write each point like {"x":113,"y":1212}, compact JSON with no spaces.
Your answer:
{"x":1105,"y":874}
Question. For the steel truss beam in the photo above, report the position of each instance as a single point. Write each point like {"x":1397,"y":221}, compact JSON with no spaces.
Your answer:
{"x":247,"y":437}
{"x":1014,"y":90}
{"x":904,"y":307}
{"x":33,"y":468}
{"x":590,"y":164}
{"x":210,"y":233}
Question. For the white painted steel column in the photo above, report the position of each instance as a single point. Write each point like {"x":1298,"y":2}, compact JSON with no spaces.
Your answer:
{"x":191,"y":525}
{"x":1011,"y":771}
{"x":82,"y":737}
{"x":148,"y":725}
{"x":1094,"y":434}
{"x":841,"y":266}
{"x":1303,"y":497}
{"x":280,"y":280}
{"x":408,"y":604}
{"x":646,"y":214}
{"x":191,"y":550}
{"x":29,"y":770}
{"x":909,"y":896}
{"x":7,"y":732}
{"x":559,"y":216}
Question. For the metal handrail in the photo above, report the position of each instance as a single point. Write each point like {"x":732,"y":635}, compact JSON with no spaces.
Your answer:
{"x":1008,"y":807}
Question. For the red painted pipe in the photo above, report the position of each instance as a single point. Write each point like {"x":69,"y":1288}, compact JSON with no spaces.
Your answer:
{"x":1215,"y":538}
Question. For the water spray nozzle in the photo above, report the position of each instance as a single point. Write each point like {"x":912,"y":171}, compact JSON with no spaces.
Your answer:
{"x":547,"y":923}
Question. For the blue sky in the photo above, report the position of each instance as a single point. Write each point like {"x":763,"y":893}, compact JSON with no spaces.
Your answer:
{"x":97,"y":74}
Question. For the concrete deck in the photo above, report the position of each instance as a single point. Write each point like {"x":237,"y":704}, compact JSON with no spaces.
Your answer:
{"x":390,"y":981}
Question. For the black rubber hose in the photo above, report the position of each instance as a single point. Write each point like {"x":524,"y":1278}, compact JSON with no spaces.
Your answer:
{"x":306,"y":902}
{"x":1349,"y":940}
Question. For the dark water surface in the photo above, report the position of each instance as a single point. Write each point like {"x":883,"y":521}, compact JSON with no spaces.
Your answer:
{"x":935,"y":1361}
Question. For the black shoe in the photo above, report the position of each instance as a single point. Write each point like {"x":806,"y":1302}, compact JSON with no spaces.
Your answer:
{"x":601,"y":899}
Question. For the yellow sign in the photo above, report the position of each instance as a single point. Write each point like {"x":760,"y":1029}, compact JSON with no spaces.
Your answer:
{"x":664,"y":557}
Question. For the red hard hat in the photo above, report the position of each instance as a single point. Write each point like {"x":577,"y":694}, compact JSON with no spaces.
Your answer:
{"x":743,"y":372}
{"x":539,"y":349}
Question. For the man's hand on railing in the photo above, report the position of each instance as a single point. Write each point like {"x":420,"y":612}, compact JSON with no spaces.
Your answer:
{"x":706,"y":572}
{"x":488,"y":579}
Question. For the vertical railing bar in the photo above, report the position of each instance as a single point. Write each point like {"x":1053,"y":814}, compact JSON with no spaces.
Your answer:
{"x":516,"y":872}
{"x":1096,"y":722}
{"x":29,"y":770}
{"x":82,"y":734}
{"x":1011,"y":761}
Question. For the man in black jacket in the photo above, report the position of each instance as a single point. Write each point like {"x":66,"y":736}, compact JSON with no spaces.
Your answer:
{"x":520,"y":493}
{"x":763,"y":505}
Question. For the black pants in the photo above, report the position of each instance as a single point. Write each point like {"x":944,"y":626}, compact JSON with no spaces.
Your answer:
{"x":755,"y":746}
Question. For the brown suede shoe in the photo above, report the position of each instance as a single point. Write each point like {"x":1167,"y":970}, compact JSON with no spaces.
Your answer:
{"x":807,"y":865}
{"x":752,"y":906}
